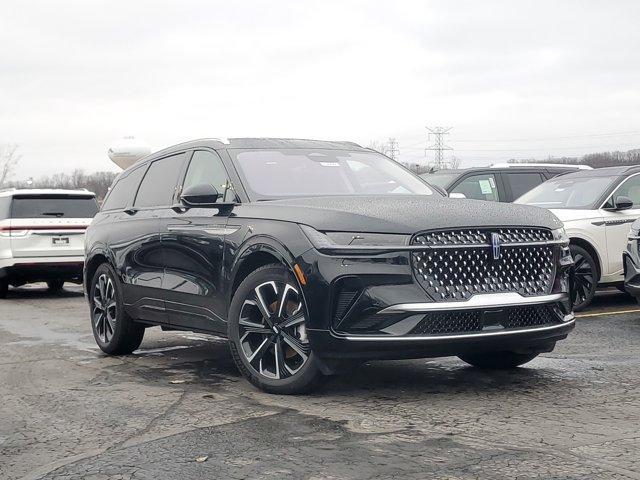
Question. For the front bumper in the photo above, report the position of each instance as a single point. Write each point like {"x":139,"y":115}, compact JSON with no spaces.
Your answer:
{"x":371,"y":306}
{"x":631,"y":264}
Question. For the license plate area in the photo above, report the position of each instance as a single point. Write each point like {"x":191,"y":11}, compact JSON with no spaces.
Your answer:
{"x":60,"y":241}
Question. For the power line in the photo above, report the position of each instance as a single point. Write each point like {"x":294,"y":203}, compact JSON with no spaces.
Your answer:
{"x":392,"y":149}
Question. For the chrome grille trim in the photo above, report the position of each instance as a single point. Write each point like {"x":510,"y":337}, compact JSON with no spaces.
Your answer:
{"x":490,"y":300}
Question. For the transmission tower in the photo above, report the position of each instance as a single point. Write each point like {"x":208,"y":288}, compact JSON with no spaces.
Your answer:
{"x":438,"y":145}
{"x":392,"y":149}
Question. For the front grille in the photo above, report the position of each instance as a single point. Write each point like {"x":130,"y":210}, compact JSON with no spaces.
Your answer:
{"x":475,"y":321}
{"x":462,"y":265}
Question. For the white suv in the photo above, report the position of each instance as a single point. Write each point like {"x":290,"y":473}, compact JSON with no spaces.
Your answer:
{"x":42,"y":236}
{"x":597,"y":208}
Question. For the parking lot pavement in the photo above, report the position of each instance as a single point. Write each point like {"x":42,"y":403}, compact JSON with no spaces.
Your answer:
{"x":67,"y":411}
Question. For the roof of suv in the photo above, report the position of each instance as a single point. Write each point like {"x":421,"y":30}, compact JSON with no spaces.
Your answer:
{"x":44,"y":191}
{"x":269,"y":143}
{"x":604,"y":172}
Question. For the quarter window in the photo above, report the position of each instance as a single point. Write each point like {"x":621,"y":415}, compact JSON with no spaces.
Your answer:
{"x":158,"y":186}
{"x":206,"y":167}
{"x":479,"y":187}
{"x":123,"y":190}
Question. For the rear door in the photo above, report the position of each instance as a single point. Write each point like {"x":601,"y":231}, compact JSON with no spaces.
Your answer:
{"x":49,"y":225}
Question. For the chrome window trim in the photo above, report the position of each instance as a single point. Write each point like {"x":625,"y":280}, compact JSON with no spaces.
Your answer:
{"x":484,"y":300}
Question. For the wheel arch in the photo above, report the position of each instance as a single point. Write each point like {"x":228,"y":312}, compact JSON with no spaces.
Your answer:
{"x":588,"y":246}
{"x":256,"y":253}
{"x":91,"y":264}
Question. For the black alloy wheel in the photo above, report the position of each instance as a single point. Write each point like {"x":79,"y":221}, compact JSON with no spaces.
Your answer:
{"x":585,"y":277}
{"x":267,"y":333}
{"x":114,"y":331}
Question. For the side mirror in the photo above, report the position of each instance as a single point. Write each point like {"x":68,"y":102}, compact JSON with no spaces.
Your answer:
{"x":200,"y":195}
{"x":623,"y":203}
{"x":457,"y":195}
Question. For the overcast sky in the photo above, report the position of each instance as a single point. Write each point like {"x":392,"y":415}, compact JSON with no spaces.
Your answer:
{"x":514,"y":79}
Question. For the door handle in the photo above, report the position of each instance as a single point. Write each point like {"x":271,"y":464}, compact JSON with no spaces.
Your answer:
{"x":130,"y":211}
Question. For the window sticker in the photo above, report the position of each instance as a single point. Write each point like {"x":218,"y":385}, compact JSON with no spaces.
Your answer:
{"x":485,"y":187}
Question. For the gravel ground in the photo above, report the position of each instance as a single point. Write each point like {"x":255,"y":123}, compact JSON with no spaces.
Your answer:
{"x":68,"y":411}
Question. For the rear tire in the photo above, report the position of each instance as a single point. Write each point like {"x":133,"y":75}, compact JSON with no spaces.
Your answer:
{"x":115,"y":332}
{"x":267,"y":333}
{"x":498,"y":360}
{"x":586,"y":277}
{"x":4,"y":288}
{"x":55,"y":286}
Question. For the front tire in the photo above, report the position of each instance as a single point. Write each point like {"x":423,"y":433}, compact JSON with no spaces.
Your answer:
{"x":114,"y":331}
{"x":498,"y":360}
{"x":267,"y":333}
{"x":585,"y":279}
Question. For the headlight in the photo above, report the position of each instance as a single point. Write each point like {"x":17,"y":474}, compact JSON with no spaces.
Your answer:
{"x":559,"y":234}
{"x":354,"y":242}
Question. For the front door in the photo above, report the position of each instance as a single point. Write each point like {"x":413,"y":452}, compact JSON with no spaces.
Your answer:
{"x":193,"y":249}
{"x":618,"y":222}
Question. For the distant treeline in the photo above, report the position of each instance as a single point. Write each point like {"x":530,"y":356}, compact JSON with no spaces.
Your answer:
{"x":595,"y":160}
{"x":97,"y":182}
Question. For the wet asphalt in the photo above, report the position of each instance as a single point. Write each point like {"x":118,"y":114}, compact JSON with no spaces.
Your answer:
{"x":177,"y":408}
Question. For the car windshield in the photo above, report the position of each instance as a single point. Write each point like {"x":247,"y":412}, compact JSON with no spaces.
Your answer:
{"x":441,"y":180}
{"x":567,"y":192}
{"x":271,"y":174}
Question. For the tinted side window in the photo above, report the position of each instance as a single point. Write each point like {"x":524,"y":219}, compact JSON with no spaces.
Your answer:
{"x":158,"y":186}
{"x":123,"y":191}
{"x":521,"y":183}
{"x":207,"y":167}
{"x":479,"y":187}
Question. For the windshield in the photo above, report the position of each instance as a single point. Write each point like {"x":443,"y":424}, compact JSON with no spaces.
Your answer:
{"x":441,"y":180}
{"x":567,"y":192}
{"x":270,"y":174}
{"x":53,"y":206}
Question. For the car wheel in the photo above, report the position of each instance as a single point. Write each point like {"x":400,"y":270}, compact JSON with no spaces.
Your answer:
{"x":267,"y":333}
{"x":585,"y":279}
{"x":4,"y":288}
{"x":115,"y":332}
{"x":55,"y":285}
{"x":498,"y":360}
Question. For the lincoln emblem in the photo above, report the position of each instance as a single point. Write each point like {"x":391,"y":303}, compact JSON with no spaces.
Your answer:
{"x":495,"y":245}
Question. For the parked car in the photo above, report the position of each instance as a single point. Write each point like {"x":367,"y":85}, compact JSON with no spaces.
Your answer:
{"x":306,"y":254}
{"x":597,"y":208}
{"x":42,"y":236}
{"x":503,"y":182}
{"x":631,"y":261}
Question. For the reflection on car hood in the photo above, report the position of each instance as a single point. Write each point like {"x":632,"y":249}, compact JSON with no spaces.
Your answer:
{"x":404,"y":214}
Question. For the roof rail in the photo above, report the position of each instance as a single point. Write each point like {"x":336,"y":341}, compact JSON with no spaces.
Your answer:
{"x":556,"y":165}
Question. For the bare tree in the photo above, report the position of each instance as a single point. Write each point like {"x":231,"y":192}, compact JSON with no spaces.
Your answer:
{"x":9,"y":158}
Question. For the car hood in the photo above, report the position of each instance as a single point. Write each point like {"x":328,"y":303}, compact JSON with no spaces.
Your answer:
{"x":405,"y":214}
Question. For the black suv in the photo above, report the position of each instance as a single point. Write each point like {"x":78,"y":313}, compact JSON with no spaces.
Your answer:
{"x":502,"y":182}
{"x":308,"y":254}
